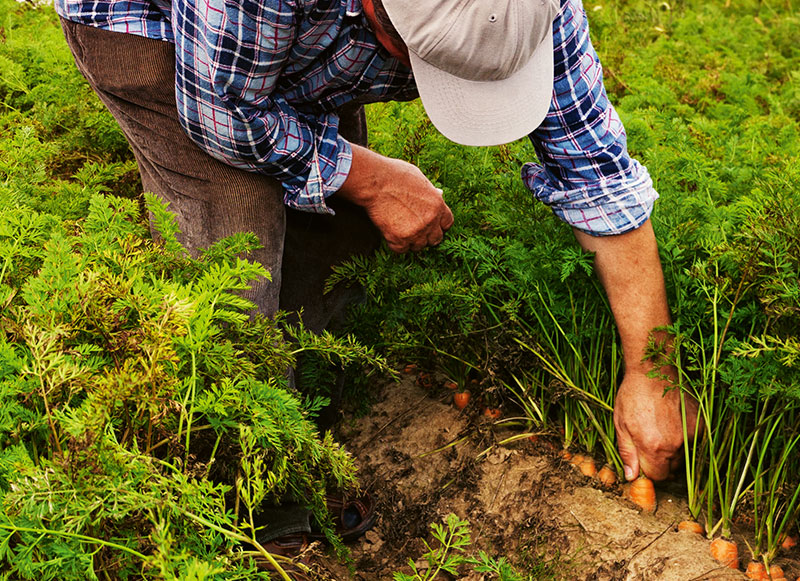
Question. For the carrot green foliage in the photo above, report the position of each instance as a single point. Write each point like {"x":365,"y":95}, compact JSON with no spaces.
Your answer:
{"x":145,"y":416}
{"x":451,"y":553}
{"x":710,"y":96}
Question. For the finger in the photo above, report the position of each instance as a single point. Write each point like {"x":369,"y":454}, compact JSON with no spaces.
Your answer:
{"x":629,"y":454}
{"x":699,"y":426}
{"x":418,"y":245}
{"x":446,"y":221}
{"x":435,"y":238}
{"x":397,"y":247}
{"x":653,"y":467}
{"x":674,"y":465}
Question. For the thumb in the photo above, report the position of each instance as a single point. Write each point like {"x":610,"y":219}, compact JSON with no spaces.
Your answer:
{"x":629,"y":455}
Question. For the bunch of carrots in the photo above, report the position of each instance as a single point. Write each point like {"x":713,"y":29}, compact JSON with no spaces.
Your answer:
{"x":641,"y":492}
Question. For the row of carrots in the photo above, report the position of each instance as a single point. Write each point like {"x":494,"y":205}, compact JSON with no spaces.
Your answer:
{"x":642,"y":493}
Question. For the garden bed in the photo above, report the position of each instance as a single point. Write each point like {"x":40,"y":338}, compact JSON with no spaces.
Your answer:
{"x":132,"y":443}
{"x":424,"y":460}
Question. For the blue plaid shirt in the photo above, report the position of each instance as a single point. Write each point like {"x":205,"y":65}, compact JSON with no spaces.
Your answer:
{"x":258,"y":84}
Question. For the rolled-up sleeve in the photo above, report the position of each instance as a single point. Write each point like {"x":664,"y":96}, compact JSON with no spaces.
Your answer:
{"x":230,"y":55}
{"x":585,"y":173}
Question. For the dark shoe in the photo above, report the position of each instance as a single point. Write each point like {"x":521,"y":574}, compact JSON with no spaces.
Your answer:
{"x":352,"y":517}
{"x":287,"y":546}
{"x":294,"y":547}
{"x":295,"y":573}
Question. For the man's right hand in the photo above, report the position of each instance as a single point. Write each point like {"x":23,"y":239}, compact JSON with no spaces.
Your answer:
{"x":402,"y":203}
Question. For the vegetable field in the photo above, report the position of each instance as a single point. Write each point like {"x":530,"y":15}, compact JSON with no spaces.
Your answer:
{"x":144,"y":417}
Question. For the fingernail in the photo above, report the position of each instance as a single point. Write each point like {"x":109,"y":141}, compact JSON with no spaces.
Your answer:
{"x":441,"y":193}
{"x":628,"y":472}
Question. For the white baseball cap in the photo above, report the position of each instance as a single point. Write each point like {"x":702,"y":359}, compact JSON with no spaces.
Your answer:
{"x":483,"y":68}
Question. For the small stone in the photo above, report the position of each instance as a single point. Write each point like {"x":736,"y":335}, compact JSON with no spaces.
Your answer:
{"x":372,"y":537}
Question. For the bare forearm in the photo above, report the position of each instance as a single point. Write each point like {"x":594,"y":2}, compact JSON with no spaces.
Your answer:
{"x":647,"y":415}
{"x":629,"y":268}
{"x":405,"y":206}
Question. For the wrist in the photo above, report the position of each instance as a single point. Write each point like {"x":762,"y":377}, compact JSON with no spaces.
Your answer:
{"x":362,"y":182}
{"x":648,"y":382}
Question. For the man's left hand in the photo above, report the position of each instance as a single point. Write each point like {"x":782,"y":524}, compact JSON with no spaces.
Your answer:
{"x":650,"y":426}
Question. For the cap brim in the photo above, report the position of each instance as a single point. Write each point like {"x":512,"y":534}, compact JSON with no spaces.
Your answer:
{"x":488,"y":113}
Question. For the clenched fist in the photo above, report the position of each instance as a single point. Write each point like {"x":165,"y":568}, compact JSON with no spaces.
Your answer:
{"x":402,"y":203}
{"x":649,"y":426}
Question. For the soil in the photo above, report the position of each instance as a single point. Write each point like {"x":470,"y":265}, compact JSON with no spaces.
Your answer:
{"x":423,"y":459}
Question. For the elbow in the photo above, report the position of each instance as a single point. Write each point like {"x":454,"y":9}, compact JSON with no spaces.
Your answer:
{"x":236,"y":140}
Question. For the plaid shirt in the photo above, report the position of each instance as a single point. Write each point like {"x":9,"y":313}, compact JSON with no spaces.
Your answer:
{"x":258,"y":84}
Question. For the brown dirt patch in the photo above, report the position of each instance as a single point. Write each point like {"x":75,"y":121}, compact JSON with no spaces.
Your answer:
{"x":423,"y":459}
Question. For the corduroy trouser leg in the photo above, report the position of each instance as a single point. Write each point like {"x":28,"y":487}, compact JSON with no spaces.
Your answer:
{"x":134,"y":77}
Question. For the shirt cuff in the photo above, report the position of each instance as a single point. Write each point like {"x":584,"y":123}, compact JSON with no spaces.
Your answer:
{"x":324,"y":179}
{"x":605,"y":208}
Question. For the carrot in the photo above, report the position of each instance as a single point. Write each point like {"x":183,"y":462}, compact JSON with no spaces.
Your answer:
{"x":450,"y":384}
{"x":643,"y":493}
{"x":756,"y":570}
{"x":607,"y":476}
{"x":588,"y":467}
{"x":691,"y":526}
{"x":492,"y":413}
{"x":726,"y":552}
{"x":461,"y":399}
{"x":410,"y":368}
{"x":534,"y":438}
{"x":775,"y":572}
{"x":575,"y":459}
{"x":425,"y":379}
{"x":565,"y":455}
{"x":789,"y":542}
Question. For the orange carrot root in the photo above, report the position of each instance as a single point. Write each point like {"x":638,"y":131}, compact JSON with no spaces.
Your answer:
{"x":575,"y":459}
{"x":643,"y":493}
{"x":607,"y":476}
{"x":461,"y":399}
{"x":789,"y":542}
{"x":691,"y":526}
{"x":726,"y":552}
{"x":450,"y":384}
{"x":566,"y":455}
{"x":756,"y":570}
{"x":588,"y":467}
{"x":775,"y":572}
{"x":425,"y":380}
{"x":492,"y":413}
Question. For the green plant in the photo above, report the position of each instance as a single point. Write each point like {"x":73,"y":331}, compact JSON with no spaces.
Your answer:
{"x":144,"y":414}
{"x":508,"y":297}
{"x":709,"y":96}
{"x":450,"y":554}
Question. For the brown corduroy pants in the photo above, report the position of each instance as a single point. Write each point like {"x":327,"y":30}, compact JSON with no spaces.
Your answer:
{"x":134,"y":77}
